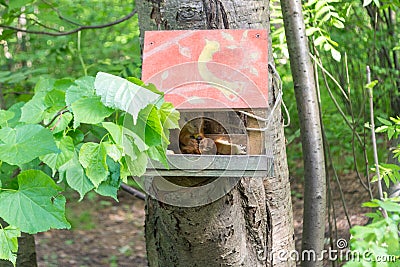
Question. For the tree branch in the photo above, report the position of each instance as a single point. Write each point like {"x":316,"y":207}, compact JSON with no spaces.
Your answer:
{"x":81,"y":28}
{"x":60,"y":16}
{"x":34,"y":21}
{"x":56,"y":116}
{"x":133,"y":191}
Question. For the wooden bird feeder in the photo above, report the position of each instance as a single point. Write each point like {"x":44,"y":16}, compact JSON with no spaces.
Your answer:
{"x":215,"y":78}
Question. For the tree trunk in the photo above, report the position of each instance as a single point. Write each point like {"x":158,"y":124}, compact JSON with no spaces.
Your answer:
{"x":310,"y":129}
{"x":254,"y":220}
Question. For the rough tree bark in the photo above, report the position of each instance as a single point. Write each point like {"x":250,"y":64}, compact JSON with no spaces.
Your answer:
{"x":310,"y":129}
{"x":254,"y":220}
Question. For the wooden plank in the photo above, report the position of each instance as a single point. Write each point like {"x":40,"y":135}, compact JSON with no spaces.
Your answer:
{"x":214,"y":162}
{"x":208,"y":173}
{"x":256,"y":138}
{"x":213,"y":166}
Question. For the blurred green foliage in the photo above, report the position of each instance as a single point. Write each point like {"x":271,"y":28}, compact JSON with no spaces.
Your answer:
{"x":364,"y":35}
{"x":25,"y":57}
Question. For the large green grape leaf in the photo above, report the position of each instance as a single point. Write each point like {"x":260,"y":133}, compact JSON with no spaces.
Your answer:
{"x":149,"y":127}
{"x":158,"y":153}
{"x":169,"y":116}
{"x":109,"y":188}
{"x":124,"y":138}
{"x":44,"y":84}
{"x":149,"y":86}
{"x":124,"y":170}
{"x":83,"y":87}
{"x":77,"y":135}
{"x":89,"y":110}
{"x":16,"y":109}
{"x":114,"y":151}
{"x":33,"y":111}
{"x":115,"y":131}
{"x":23,"y":143}
{"x":117,"y":92}
{"x":55,"y":99}
{"x":36,"y":206}
{"x":93,"y":156}
{"x":75,"y":176}
{"x":63,"y":84}
{"x":5,"y":116}
{"x":137,"y":166}
{"x":56,"y":160}
{"x":9,"y":243}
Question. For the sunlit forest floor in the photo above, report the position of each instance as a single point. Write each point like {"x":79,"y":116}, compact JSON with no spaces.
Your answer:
{"x":107,"y":233}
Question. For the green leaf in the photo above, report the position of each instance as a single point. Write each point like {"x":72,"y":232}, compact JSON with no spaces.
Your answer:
{"x":338,"y":24}
{"x":377,"y":3}
{"x":61,"y":123}
{"x":9,"y":243}
{"x":367,"y":2}
{"x":384,"y":121}
{"x":149,"y":127}
{"x":113,"y":151}
{"x":320,"y":40}
{"x":336,"y":54}
{"x":381,"y":129}
{"x":124,"y":139}
{"x":370,"y":205}
{"x":89,"y":110}
{"x":169,"y":116}
{"x":390,"y":206}
{"x":36,"y":206}
{"x":391,"y":132}
{"x":16,"y":109}
{"x":56,"y":160}
{"x":24,"y":143}
{"x":93,"y":156}
{"x":83,"y":87}
{"x":33,"y":111}
{"x":115,"y":131}
{"x":150,"y":86}
{"x":5,"y":116}
{"x":325,"y":9}
{"x":311,"y":30}
{"x":55,"y":99}
{"x":75,"y":176}
{"x":371,"y":85}
{"x":158,"y":153}
{"x":124,"y":170}
{"x":131,"y":139}
{"x":44,"y":85}
{"x":119,"y":93}
{"x":109,"y":188}
{"x":77,"y":135}
{"x":138,"y":165}
{"x":63,"y":84}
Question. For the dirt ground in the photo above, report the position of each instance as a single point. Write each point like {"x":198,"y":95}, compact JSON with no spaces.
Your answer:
{"x":109,"y":233}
